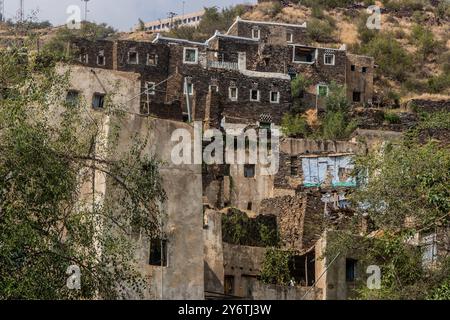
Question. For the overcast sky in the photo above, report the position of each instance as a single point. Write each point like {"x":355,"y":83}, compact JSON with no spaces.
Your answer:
{"x":123,"y":15}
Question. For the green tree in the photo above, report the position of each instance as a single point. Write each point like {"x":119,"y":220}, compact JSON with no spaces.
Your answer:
{"x":275,"y":267}
{"x":405,"y":192}
{"x":47,"y":222}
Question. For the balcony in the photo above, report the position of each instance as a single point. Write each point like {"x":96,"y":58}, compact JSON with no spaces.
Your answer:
{"x":223,"y":65}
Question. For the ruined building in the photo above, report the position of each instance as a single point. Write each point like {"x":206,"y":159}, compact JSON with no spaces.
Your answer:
{"x":238,"y":80}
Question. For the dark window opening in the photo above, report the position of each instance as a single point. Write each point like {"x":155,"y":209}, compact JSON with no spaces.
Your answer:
{"x":306,"y":55}
{"x":294,"y":167}
{"x":226,"y":170}
{"x":249,"y":170}
{"x":353,"y":67}
{"x":152,"y":59}
{"x":72,"y":97}
{"x":249,"y":206}
{"x":132,"y":57}
{"x":364,"y":69}
{"x":158,"y":252}
{"x":229,"y":285}
{"x":350,"y":269}
{"x":98,"y":102}
{"x":303,"y":270}
{"x":101,"y":60}
{"x":254,"y":95}
{"x":356,"y":96}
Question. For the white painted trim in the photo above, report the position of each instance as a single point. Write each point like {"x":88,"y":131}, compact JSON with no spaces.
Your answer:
{"x":147,"y":87}
{"x":160,"y":37}
{"x":323,"y":85}
{"x":137,"y":57}
{"x":184,"y":55}
{"x":213,"y":85}
{"x":259,"y":95}
{"x":238,"y":19}
{"x":278,"y":97}
{"x":325,"y":59}
{"x":237,"y":94}
{"x":156,"y":58}
{"x":253,"y":34}
{"x":185,"y":89}
{"x":220,"y":35}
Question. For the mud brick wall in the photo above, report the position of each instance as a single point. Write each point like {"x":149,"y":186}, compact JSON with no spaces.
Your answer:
{"x":92,"y":49}
{"x":169,"y":111}
{"x":357,"y":80}
{"x":300,"y":219}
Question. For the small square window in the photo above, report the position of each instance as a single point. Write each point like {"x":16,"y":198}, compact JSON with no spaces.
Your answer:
{"x":356,"y":96}
{"x":329,"y":59}
{"x":133,"y":57}
{"x":289,"y":37}
{"x":150,"y":88}
{"x":322,"y":90}
{"x":254,"y":95}
{"x":84,"y":58}
{"x":190,"y":55}
{"x":350,"y":270}
{"x":256,"y":34}
{"x":101,"y":60}
{"x":72,"y":97}
{"x":353,"y":67}
{"x":98,"y":102}
{"x":249,"y":170}
{"x":274,"y":97}
{"x":213,"y":88}
{"x":152,"y":59}
{"x":233,"y":93}
{"x":188,"y":89}
{"x":364,"y":69}
{"x":294,"y":167}
{"x":158,"y":253}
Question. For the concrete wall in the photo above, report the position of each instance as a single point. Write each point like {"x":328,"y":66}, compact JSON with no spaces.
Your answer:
{"x":183,"y":277}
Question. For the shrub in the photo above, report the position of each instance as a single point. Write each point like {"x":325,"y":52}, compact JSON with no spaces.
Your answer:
{"x":391,"y":117}
{"x":439,"y":83}
{"x":294,"y":126}
{"x":393,"y":60}
{"x":442,"y":11}
{"x":320,"y":30}
{"x":412,"y":5}
{"x":299,"y":85}
{"x":336,"y":126}
{"x":424,"y":40}
{"x":275,"y":267}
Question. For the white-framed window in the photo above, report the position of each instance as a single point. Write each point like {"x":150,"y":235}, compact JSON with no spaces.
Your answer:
{"x":233,"y":93}
{"x":190,"y":55}
{"x":274,"y":97}
{"x":214,"y":87}
{"x":152,"y":59}
{"x":256,"y":34}
{"x":133,"y":57}
{"x":254,"y":95}
{"x":150,"y":88}
{"x":329,"y":59}
{"x":289,"y":37}
{"x":322,"y":90}
{"x":429,"y":249}
{"x":84,"y":58}
{"x":101,"y":60}
{"x":188,"y":88}
{"x":303,"y":54}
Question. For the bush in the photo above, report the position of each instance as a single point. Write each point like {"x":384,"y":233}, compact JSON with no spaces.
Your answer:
{"x":392,"y":118}
{"x":320,"y":30}
{"x":424,"y":40}
{"x":365,"y":34}
{"x":412,"y":5}
{"x":294,"y":126}
{"x":439,"y":83}
{"x":299,"y":85}
{"x":335,"y":126}
{"x":393,"y":60}
{"x":442,"y":11}
{"x":275,"y":267}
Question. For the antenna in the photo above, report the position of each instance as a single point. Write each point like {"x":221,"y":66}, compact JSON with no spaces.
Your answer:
{"x":85,"y":9}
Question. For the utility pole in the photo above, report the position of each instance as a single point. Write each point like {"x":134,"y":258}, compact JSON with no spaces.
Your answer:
{"x":170,"y":15}
{"x":21,"y":11}
{"x":2,"y":11}
{"x":85,"y":9}
{"x":184,"y":3}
